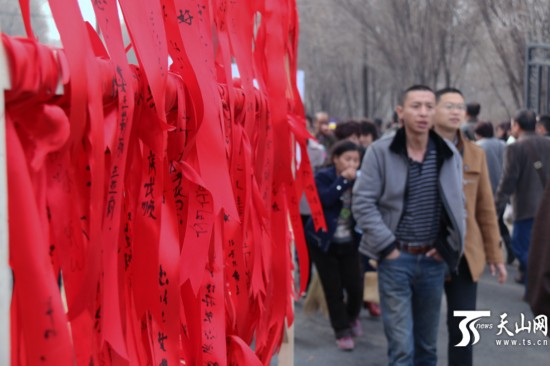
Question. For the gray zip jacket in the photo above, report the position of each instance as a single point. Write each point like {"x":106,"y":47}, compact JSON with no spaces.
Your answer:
{"x":379,"y":196}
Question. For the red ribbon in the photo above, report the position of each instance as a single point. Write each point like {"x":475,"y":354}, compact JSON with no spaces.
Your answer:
{"x":167,"y":200}
{"x":40,"y":328}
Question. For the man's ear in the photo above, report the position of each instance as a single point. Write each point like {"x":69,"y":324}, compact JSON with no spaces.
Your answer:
{"x":399,"y":111}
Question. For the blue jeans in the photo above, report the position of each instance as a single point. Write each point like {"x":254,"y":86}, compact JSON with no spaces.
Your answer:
{"x":411,"y":288}
{"x":521,"y":237}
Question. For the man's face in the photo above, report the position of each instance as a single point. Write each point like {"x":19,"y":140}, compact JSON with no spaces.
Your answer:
{"x":324,"y":129}
{"x":514,"y":129}
{"x":417,"y":111}
{"x":499,"y":131}
{"x":541,"y":130}
{"x":354,"y":139}
{"x":320,"y":120}
{"x":450,"y":112}
{"x":365,"y":140}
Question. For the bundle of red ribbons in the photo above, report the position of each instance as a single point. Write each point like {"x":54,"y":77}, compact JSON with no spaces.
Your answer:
{"x":160,"y":199}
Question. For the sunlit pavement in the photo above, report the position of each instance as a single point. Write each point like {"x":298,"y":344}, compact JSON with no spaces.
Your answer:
{"x":315,"y":345}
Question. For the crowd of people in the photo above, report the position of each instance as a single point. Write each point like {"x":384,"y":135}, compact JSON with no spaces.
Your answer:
{"x":424,"y":206}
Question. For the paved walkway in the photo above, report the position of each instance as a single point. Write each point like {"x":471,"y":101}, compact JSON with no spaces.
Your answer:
{"x":314,"y":341}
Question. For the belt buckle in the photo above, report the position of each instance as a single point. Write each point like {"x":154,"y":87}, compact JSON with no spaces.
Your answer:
{"x":414,"y":249}
{"x":418,"y":249}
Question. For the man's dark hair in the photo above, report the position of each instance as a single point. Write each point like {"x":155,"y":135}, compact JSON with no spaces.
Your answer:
{"x":346,"y":129}
{"x":417,"y":87}
{"x":544,"y":120}
{"x":342,"y":147}
{"x":484,"y":129}
{"x":473,"y":109}
{"x":527,"y":120}
{"x":369,"y":128}
{"x":505,"y":126}
{"x":447,"y":90}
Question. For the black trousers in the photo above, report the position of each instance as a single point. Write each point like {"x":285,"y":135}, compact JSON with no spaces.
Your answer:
{"x":506,"y":238}
{"x":305,"y":219}
{"x":461,"y":293}
{"x":340,"y":270}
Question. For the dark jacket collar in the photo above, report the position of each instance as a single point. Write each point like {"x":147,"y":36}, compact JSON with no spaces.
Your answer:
{"x":329,"y":170}
{"x":399,"y":144}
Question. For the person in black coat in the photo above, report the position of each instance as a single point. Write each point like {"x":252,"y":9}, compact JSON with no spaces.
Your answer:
{"x":334,"y":251}
{"x":538,"y":271}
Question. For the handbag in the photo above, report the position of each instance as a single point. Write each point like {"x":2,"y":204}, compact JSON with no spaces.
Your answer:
{"x":370,"y":287}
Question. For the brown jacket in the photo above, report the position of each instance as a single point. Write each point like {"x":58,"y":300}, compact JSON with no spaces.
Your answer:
{"x":482,"y":243}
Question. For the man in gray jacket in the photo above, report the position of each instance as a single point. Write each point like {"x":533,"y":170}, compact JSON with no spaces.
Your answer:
{"x":408,"y":201}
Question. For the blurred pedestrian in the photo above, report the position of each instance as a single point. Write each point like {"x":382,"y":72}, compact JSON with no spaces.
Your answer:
{"x":543,"y":125}
{"x":317,"y":156}
{"x":368,"y":134}
{"x":323,"y":133}
{"x":494,"y":151}
{"x":526,"y":166}
{"x":503,"y":131}
{"x":538,"y":272}
{"x":348,"y":130}
{"x":393,"y":125}
{"x":472,"y":113}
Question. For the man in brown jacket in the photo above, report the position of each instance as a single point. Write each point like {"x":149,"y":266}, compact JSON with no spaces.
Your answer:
{"x":482,"y":243}
{"x":526,"y":164}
